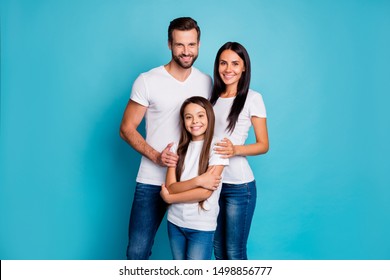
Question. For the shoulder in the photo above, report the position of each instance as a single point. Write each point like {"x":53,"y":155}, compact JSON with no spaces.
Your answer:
{"x":254,"y":97}
{"x":157,"y":71}
{"x":215,"y":159}
{"x":252,"y":94}
{"x":200,"y":74}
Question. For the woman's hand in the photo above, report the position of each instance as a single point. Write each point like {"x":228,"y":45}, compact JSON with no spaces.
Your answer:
{"x":225,"y":148}
{"x":209,"y":180}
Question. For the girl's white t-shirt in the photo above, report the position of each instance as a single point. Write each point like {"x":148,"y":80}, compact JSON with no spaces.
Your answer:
{"x":191,"y":215}
{"x":238,"y":171}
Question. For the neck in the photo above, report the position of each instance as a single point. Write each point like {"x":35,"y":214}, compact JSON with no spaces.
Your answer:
{"x":229,"y":92}
{"x":178,"y":72}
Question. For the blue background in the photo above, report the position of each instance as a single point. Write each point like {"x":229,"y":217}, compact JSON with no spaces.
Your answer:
{"x":67,"y":67}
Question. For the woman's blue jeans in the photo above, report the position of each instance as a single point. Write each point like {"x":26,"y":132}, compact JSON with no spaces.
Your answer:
{"x":147,"y":212}
{"x":190,"y":244}
{"x":237,"y":203}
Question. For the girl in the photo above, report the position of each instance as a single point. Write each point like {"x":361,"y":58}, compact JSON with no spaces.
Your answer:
{"x":237,"y":109}
{"x":192,"y":186}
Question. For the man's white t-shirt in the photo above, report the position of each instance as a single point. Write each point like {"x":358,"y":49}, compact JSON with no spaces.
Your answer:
{"x":164,"y":95}
{"x":191,"y":215}
{"x":238,"y":171}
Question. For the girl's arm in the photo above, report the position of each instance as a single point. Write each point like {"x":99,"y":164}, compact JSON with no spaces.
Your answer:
{"x":192,"y":195}
{"x":209,"y":180}
{"x":227,"y":149}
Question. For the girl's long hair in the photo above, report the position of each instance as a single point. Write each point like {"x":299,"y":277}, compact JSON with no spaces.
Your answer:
{"x":242,"y":87}
{"x":186,"y":137}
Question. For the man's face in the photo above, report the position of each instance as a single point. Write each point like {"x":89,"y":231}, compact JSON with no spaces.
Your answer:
{"x":184,"y":47}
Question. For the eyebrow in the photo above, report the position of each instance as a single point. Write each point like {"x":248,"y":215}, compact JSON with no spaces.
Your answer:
{"x":196,"y":113}
{"x":227,"y":61}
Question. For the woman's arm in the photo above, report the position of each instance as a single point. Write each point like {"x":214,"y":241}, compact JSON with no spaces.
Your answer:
{"x":192,"y":195}
{"x":226,"y":148}
{"x":209,"y":180}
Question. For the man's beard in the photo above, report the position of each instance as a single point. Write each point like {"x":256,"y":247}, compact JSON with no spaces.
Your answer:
{"x":182,"y":64}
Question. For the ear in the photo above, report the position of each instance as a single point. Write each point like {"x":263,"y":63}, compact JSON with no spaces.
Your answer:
{"x":169,"y":45}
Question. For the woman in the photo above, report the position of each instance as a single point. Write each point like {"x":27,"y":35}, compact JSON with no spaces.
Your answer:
{"x":236,"y":108}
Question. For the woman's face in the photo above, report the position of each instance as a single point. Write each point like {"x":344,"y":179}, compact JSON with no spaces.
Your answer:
{"x":230,"y":68}
{"x":195,"y":121}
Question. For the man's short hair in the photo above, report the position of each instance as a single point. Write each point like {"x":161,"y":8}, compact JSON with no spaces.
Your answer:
{"x":183,"y":24}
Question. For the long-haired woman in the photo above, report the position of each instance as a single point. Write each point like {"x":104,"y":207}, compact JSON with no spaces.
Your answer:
{"x":236,"y":108}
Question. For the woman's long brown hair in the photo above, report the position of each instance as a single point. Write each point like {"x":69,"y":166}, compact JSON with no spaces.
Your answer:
{"x":186,"y":137}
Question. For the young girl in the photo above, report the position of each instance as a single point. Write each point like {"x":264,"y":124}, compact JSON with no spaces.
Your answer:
{"x":193,"y":186}
{"x":237,"y":108}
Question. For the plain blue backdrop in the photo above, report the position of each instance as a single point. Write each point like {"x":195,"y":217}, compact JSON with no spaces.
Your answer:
{"x":67,"y":67}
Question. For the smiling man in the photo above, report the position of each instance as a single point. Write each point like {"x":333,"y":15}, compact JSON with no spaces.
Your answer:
{"x":157,"y":95}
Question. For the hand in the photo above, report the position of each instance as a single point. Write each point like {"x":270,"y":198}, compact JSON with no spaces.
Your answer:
{"x":209,"y":180}
{"x":225,"y":148}
{"x":165,"y":193}
{"x":167,"y":158}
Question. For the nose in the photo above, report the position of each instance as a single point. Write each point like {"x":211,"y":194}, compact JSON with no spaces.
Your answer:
{"x":185,"y":50}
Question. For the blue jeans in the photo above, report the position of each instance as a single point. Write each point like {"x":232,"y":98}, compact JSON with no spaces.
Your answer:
{"x":147,"y":212}
{"x":237,"y":204}
{"x":190,"y":244}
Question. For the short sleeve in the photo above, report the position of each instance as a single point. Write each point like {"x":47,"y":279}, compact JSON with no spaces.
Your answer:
{"x":216,"y":159}
{"x":174,"y":147}
{"x":139,"y":92}
{"x":256,"y":106}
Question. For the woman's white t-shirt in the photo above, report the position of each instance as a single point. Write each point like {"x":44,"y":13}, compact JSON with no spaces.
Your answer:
{"x":191,"y":215}
{"x":238,"y":171}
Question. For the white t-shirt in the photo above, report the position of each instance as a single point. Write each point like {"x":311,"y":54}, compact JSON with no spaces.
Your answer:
{"x":191,"y":215}
{"x":238,"y":171}
{"x":164,"y":95}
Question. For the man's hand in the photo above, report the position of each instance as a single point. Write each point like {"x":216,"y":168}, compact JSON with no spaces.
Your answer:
{"x":167,"y":158}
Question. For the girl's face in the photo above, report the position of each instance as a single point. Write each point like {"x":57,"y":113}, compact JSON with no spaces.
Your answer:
{"x":195,"y":121}
{"x":230,"y":67}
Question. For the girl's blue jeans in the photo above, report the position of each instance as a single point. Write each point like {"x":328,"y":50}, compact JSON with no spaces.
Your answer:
{"x":190,"y":244}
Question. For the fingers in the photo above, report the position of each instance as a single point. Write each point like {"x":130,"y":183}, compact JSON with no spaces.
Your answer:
{"x":169,"y":158}
{"x":225,"y":148}
{"x":169,"y":146}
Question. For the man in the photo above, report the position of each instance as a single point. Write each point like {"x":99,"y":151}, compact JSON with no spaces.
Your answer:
{"x":157,"y":95}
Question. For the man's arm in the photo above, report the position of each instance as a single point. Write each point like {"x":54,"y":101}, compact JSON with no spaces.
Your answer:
{"x":132,"y":117}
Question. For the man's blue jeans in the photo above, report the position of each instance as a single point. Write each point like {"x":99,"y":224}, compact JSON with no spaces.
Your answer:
{"x":190,"y":244}
{"x":147,"y":212}
{"x":237,"y":204}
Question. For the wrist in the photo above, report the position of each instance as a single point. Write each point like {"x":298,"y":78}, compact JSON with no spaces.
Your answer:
{"x":156,"y":157}
{"x":198,"y":181}
{"x":236,"y":150}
